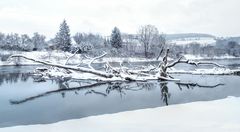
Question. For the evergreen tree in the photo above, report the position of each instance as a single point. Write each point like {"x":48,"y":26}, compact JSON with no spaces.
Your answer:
{"x":116,"y":39}
{"x":63,"y":37}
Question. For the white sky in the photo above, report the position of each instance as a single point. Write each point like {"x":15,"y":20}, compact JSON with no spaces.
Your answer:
{"x":217,"y":17}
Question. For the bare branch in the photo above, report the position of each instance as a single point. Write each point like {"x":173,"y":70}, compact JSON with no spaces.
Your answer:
{"x":160,"y":53}
{"x":175,"y":62}
{"x":71,"y":56}
{"x":196,"y":63}
{"x":95,"y":58}
{"x":115,"y":71}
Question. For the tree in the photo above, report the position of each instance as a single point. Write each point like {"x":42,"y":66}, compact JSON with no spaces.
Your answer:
{"x":78,"y":38}
{"x":12,"y":42}
{"x":147,"y":35}
{"x":88,"y":41}
{"x":26,"y":42}
{"x":2,"y":39}
{"x":63,"y":37}
{"x":116,"y":39}
{"x":38,"y":41}
{"x":232,"y":48}
{"x":106,"y":42}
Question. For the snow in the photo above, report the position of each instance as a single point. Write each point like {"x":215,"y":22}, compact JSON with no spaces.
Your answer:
{"x":213,"y":71}
{"x":200,"y":40}
{"x":192,"y":57}
{"x":212,"y":116}
{"x":61,"y":57}
{"x":198,"y":57}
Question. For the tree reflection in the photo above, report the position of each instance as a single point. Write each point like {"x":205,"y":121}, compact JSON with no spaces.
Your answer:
{"x":95,"y":92}
{"x":122,"y":88}
{"x":193,"y":85}
{"x":13,"y":77}
{"x":60,"y":90}
{"x":165,"y":95}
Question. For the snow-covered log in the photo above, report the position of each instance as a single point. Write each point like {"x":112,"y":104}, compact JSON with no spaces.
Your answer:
{"x":118,"y":74}
{"x":80,"y":69}
{"x":159,"y":72}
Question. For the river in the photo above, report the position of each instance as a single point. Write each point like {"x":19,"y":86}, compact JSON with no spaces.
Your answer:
{"x":25,"y":100}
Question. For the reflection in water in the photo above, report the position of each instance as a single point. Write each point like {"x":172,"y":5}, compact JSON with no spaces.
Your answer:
{"x":120,"y":87}
{"x":95,"y":92}
{"x":13,"y":77}
{"x":164,"y":92}
{"x":39,"y":101}
{"x":61,"y":90}
{"x":192,"y":85}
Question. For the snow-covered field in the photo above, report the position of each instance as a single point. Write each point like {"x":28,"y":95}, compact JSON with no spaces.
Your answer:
{"x":200,"y":40}
{"x":198,"y":57}
{"x":61,"y":57}
{"x":212,"y":116}
{"x":213,"y":71}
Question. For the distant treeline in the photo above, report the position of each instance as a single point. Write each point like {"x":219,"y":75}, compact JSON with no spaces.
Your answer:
{"x":147,"y":42}
{"x":222,"y":47}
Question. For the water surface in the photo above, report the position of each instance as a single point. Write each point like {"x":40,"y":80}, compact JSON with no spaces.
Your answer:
{"x":24,"y":100}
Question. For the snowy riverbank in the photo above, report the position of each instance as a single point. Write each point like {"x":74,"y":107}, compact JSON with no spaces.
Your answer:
{"x":211,"y":116}
{"x":198,"y":57}
{"x":61,"y":57}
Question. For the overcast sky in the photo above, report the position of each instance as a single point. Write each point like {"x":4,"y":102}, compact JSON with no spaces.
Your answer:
{"x":217,"y":17}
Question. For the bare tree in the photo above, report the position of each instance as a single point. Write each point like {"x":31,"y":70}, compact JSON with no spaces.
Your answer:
{"x":78,"y":38}
{"x":38,"y":41}
{"x":147,"y":35}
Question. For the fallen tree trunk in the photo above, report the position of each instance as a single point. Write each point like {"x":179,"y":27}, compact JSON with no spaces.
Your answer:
{"x":80,"y":69}
{"x":160,"y":72}
{"x":115,"y":72}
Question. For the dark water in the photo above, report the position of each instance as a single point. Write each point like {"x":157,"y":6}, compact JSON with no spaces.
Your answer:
{"x":23,"y":100}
